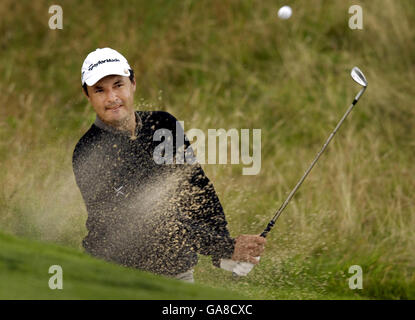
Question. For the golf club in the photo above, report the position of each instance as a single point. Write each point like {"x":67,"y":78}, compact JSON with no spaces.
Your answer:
{"x":242,"y":268}
{"x":357,"y":76}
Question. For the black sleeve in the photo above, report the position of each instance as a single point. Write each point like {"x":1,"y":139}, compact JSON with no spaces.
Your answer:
{"x":95,"y":191}
{"x":202,"y":211}
{"x":86,"y":183}
{"x":92,"y":183}
{"x":204,"y":215}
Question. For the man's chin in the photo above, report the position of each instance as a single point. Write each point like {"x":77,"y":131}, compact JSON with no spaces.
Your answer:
{"x":116,"y":117}
{"x":117,"y":114}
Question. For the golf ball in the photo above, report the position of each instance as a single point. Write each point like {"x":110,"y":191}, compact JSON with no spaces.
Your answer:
{"x":285,"y":12}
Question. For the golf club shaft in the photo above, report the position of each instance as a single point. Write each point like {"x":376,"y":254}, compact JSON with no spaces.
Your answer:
{"x":279,"y":211}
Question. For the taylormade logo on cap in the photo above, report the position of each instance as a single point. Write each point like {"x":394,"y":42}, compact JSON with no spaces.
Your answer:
{"x":101,"y":63}
{"x":92,"y":66}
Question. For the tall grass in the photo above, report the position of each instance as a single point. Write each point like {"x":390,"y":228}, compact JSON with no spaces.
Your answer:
{"x":233,"y":64}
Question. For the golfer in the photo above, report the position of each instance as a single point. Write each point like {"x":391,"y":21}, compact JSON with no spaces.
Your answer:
{"x":143,"y":214}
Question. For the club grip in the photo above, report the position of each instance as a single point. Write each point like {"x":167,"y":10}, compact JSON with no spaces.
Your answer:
{"x":268,"y":228}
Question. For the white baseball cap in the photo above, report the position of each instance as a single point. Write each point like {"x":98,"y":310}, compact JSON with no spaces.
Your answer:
{"x":101,"y":63}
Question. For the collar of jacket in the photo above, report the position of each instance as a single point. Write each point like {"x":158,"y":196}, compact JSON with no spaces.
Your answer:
{"x":102,"y":125}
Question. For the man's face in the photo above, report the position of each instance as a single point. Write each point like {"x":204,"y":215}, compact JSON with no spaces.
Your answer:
{"x":112,"y":98}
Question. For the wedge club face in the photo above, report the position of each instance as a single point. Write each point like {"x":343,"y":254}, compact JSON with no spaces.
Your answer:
{"x":359,"y":77}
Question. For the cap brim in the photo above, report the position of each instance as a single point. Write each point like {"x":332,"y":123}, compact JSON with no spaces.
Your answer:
{"x":108,"y":70}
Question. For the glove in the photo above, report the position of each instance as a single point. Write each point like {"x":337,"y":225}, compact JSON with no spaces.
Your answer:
{"x":238,"y":268}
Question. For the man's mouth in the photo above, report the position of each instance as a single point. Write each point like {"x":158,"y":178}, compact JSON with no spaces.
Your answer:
{"x":114,"y":107}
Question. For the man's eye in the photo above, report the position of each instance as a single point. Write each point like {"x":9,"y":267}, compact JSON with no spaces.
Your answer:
{"x":119,"y":85}
{"x":98,"y":90}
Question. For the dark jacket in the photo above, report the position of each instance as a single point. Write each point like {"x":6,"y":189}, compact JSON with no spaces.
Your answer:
{"x":154,"y":217}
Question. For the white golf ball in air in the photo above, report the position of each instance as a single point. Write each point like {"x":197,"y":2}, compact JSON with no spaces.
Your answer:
{"x":285,"y":12}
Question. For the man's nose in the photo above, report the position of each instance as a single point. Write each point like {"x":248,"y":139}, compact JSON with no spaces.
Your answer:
{"x":111,"y":96}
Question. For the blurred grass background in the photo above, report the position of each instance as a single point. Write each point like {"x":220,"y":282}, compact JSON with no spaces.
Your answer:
{"x":233,"y":64}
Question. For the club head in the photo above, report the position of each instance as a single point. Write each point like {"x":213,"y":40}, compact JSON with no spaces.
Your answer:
{"x":359,"y":77}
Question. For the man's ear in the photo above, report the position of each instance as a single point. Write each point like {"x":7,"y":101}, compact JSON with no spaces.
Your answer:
{"x":134,"y":84}
{"x":85,"y":92}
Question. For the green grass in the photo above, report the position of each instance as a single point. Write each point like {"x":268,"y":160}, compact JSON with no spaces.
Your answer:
{"x":233,"y":64}
{"x":24,"y":267}
{"x":322,"y":275}
{"x":24,"y":274}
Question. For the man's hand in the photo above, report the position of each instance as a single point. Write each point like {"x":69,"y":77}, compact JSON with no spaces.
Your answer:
{"x":248,"y":248}
{"x":246,"y":254}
